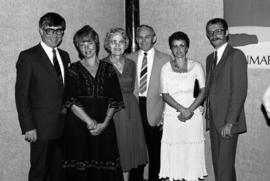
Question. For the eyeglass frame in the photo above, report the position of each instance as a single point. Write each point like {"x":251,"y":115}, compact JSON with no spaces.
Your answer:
{"x":215,"y":32}
{"x":51,"y":31}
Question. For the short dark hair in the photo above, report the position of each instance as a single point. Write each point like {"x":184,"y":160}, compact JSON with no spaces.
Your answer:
{"x":86,"y":32}
{"x":220,"y":21}
{"x":52,"y":19}
{"x":179,"y":35}
{"x":138,"y":29}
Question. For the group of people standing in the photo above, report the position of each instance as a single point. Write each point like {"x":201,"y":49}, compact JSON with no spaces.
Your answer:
{"x":105,"y":119}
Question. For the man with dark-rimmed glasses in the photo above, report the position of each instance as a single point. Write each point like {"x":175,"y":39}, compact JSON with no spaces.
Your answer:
{"x":39,"y":94}
{"x":226,"y":89}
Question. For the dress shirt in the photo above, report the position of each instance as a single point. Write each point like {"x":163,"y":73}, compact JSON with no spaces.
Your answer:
{"x":49,"y":52}
{"x":150,"y":59}
{"x":220,"y":52}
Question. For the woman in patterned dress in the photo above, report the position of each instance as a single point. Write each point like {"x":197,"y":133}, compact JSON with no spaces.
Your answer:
{"x":94,"y":94}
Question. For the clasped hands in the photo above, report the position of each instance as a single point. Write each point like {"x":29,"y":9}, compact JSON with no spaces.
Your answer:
{"x":185,"y":114}
{"x":95,"y":128}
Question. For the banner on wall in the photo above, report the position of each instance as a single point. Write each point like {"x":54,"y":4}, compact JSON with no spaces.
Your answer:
{"x":249,"y":28}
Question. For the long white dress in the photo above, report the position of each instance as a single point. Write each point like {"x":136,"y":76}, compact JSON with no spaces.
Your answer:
{"x":182,"y":143}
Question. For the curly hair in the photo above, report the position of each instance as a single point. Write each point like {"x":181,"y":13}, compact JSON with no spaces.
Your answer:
{"x":111,"y":33}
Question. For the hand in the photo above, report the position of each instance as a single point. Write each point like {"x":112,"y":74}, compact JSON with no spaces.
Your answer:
{"x":226,"y":130}
{"x":184,"y":115}
{"x":31,"y":136}
{"x":268,"y":114}
{"x":92,"y":124}
{"x":202,"y":109}
{"x":98,"y":130}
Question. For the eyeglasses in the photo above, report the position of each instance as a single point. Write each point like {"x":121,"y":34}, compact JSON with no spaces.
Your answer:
{"x":50,"y":31}
{"x":121,"y":42}
{"x":216,"y":32}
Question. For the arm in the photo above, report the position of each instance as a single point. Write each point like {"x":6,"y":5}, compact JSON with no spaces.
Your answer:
{"x":200,"y":79}
{"x":169,"y":99}
{"x":185,"y":113}
{"x":22,"y":88}
{"x":112,"y":91}
{"x":238,"y":91}
{"x":239,"y":87}
{"x":80,"y":113}
{"x":101,"y":126}
{"x":198,"y":101}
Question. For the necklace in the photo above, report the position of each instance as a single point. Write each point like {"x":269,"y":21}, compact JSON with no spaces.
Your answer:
{"x":177,"y":67}
{"x":119,"y":64}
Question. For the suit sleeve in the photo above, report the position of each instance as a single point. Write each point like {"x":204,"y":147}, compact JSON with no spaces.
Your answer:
{"x":163,"y":80}
{"x":238,"y":86}
{"x":22,"y":88}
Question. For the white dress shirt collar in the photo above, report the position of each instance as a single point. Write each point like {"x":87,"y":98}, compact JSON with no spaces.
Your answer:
{"x":220,"y":51}
{"x":49,"y":53}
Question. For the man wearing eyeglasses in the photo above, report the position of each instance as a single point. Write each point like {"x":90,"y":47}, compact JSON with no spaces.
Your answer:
{"x":226,"y":86}
{"x":39,"y":94}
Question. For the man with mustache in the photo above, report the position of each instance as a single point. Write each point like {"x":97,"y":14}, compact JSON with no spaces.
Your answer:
{"x":226,"y":89}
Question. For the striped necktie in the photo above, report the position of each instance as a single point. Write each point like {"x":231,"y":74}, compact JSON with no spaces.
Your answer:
{"x":143,"y":74}
{"x":57,"y":67}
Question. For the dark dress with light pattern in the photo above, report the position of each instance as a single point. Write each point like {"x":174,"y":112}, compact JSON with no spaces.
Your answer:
{"x":88,"y":157}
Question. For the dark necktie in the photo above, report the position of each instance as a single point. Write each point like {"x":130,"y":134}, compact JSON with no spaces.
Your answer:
{"x":143,"y":75}
{"x":214,"y":60}
{"x":57,"y":67}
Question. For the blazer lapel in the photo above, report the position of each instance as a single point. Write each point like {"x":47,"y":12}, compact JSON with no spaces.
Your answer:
{"x":154,"y":75}
{"x":65,"y":64}
{"x":222,"y":61}
{"x":45,"y":60}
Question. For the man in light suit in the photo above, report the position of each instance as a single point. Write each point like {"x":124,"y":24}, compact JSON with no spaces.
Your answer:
{"x":226,"y":86}
{"x":39,"y":94}
{"x":147,"y":89}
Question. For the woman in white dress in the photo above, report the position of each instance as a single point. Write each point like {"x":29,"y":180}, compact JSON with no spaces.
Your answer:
{"x":182,"y":89}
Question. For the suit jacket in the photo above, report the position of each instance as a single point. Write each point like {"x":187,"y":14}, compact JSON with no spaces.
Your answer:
{"x":39,"y":94}
{"x":227,"y":90}
{"x":154,"y":104}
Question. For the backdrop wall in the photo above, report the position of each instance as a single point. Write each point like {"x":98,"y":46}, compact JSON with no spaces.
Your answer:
{"x":19,"y":30}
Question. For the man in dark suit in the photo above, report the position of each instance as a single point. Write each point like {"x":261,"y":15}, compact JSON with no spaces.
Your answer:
{"x":226,"y":86}
{"x":147,"y":88}
{"x":39,"y":94}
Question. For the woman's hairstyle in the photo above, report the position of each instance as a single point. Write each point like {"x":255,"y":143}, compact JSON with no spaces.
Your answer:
{"x":179,"y":35}
{"x":86,"y":33}
{"x":111,"y":33}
